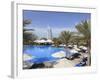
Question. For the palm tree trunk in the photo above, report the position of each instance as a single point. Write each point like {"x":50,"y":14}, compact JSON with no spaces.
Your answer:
{"x":89,"y":59}
{"x":89,"y":54}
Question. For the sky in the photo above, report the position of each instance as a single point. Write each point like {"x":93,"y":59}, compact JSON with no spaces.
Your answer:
{"x":57,"y":21}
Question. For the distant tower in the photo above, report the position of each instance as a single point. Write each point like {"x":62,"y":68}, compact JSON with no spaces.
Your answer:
{"x":49,"y":33}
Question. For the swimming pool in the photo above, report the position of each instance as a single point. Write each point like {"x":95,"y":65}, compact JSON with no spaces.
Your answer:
{"x":41,"y":53}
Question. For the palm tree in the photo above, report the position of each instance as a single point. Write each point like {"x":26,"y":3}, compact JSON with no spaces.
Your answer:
{"x":28,"y":35}
{"x":56,"y":41}
{"x":74,"y":40}
{"x":65,"y":37}
{"x":85,"y":29}
{"x":26,"y":22}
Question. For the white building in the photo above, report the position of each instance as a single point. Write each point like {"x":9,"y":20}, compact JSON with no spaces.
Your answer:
{"x":49,"y":33}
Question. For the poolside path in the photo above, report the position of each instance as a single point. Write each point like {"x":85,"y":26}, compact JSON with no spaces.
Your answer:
{"x":66,"y":63}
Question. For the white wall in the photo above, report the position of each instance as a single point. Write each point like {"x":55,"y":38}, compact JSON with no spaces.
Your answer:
{"x":5,"y":38}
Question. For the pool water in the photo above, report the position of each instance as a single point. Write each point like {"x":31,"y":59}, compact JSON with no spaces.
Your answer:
{"x":41,"y":53}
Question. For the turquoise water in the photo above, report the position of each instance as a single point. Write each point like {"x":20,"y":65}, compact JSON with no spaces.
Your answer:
{"x":41,"y":53}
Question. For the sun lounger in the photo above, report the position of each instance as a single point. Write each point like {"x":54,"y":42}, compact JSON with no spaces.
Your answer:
{"x":82,"y":63}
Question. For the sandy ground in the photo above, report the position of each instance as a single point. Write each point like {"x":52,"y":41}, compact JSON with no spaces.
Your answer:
{"x":66,"y":63}
{"x":69,"y":63}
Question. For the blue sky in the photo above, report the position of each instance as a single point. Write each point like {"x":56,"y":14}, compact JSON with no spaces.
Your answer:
{"x":57,"y":21}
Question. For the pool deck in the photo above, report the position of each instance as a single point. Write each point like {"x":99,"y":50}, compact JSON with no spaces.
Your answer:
{"x":66,"y":63}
